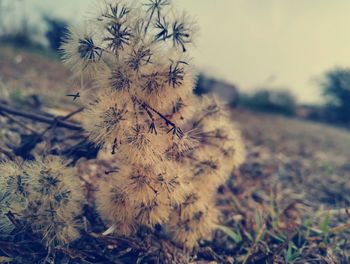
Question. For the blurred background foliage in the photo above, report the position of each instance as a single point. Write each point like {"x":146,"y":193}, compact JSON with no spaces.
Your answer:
{"x":336,"y":89}
{"x":18,"y":30}
{"x":274,"y":101}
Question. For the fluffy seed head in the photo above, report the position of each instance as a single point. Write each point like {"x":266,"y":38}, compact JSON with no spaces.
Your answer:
{"x":14,"y":182}
{"x":44,"y":194}
{"x":193,"y":220}
{"x":171,"y":150}
{"x":142,"y":194}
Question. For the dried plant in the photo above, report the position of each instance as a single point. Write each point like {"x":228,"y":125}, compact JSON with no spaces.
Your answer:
{"x":13,"y":192}
{"x":171,"y":149}
{"x":43,"y":194}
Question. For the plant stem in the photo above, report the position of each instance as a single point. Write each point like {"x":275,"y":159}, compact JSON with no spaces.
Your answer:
{"x":40,"y":118}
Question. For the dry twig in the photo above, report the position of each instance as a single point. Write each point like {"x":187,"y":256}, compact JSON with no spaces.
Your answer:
{"x":40,"y":118}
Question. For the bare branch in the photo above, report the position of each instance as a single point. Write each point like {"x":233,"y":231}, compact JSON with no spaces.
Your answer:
{"x":40,"y":118}
{"x":174,"y":128}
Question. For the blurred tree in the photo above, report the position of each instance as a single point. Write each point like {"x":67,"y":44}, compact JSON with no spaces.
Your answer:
{"x":200,"y":85}
{"x":336,"y":89}
{"x":281,"y":101}
{"x":14,"y":24}
{"x":228,"y":92}
{"x":57,"y":29}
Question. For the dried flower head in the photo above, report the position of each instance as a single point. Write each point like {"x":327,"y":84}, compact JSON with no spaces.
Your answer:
{"x":81,"y":52}
{"x":219,"y":136}
{"x":118,"y":37}
{"x":169,"y":146}
{"x":108,"y":118}
{"x":45,"y":195}
{"x":193,"y":220}
{"x":54,"y":201}
{"x":14,"y":183}
{"x":139,"y":195}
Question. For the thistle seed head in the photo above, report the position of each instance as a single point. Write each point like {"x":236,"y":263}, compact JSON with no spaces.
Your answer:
{"x":172,"y":150}
{"x":48,"y":198}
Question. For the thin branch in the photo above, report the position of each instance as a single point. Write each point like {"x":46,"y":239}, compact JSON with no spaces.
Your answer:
{"x":174,"y":128}
{"x":152,"y":127}
{"x":72,"y":113}
{"x":15,"y":120}
{"x":114,"y":146}
{"x":13,"y":219}
{"x":8,"y":153}
{"x":40,"y":118}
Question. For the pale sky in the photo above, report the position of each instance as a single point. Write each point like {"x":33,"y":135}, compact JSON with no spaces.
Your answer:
{"x":278,"y":43}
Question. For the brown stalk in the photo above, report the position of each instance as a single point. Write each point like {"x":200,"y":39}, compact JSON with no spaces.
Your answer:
{"x":40,"y":118}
